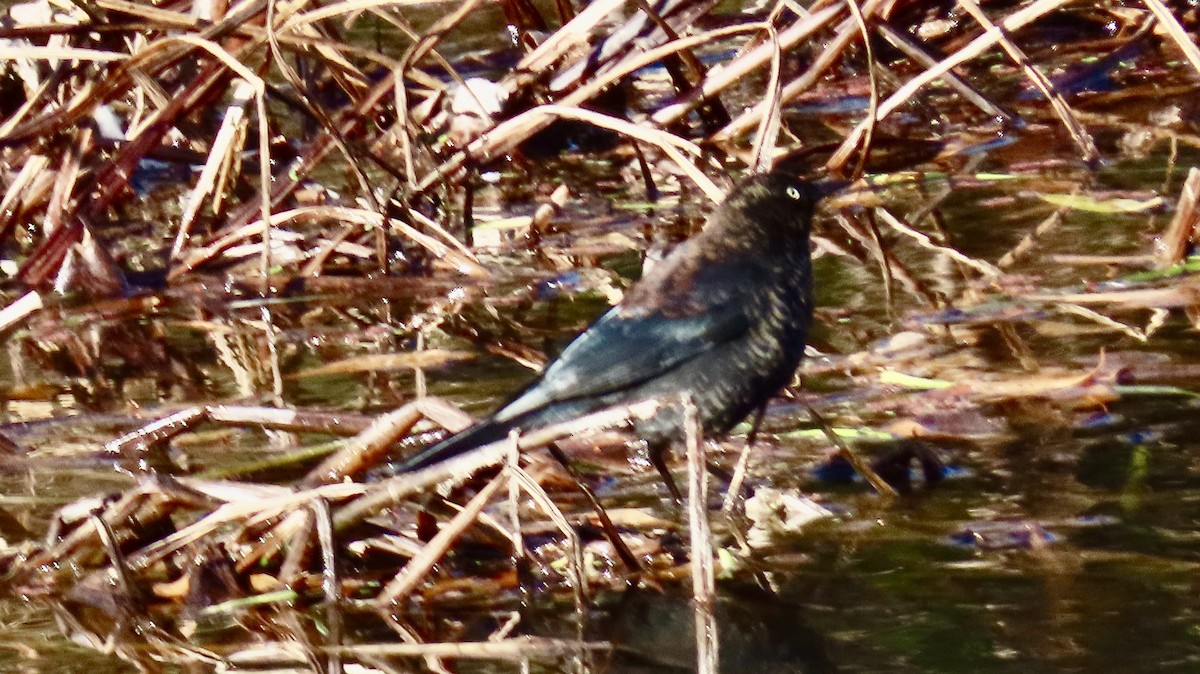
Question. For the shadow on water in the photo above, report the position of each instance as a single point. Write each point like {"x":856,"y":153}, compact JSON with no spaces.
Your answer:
{"x":653,"y":632}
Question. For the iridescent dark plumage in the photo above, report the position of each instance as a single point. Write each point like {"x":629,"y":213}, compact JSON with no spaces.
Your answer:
{"x":724,"y":318}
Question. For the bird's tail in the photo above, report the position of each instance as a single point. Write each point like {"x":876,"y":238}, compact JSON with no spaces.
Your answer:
{"x":478,"y":435}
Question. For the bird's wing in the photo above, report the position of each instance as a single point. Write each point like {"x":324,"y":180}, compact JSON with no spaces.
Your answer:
{"x":631,"y":345}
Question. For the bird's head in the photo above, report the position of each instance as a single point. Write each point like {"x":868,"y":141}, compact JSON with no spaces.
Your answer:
{"x":777,"y":204}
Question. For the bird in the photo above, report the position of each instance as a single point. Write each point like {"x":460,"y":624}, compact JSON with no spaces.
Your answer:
{"x":724,"y":318}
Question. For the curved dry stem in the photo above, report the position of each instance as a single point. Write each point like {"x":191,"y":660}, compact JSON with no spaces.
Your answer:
{"x":845,"y":32}
{"x":720,"y":79}
{"x":1170,"y":24}
{"x":979,"y":45}
{"x":838,"y":161}
{"x":924,"y":241}
{"x":512,"y":132}
{"x":1043,"y":84}
{"x":455,"y":254}
{"x":299,"y":20}
{"x":763,"y":150}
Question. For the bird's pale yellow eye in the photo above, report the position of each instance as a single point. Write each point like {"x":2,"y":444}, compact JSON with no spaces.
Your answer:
{"x":793,"y":193}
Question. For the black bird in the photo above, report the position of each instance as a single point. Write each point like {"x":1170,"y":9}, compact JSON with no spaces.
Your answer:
{"x":723,"y":318}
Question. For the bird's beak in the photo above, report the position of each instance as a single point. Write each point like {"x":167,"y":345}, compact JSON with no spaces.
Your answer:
{"x":824,"y":188}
